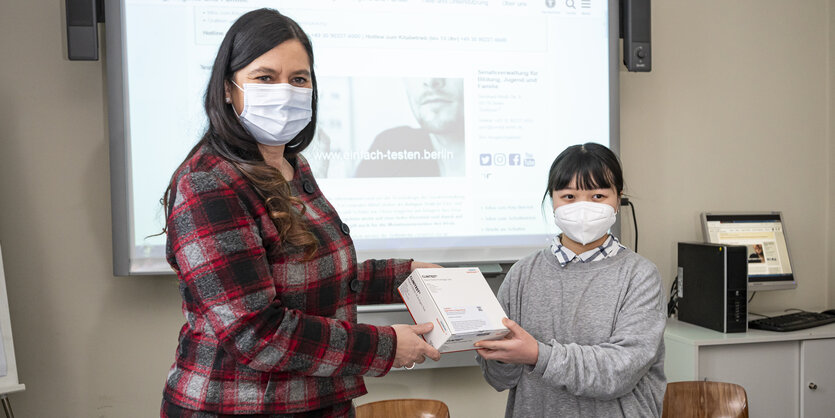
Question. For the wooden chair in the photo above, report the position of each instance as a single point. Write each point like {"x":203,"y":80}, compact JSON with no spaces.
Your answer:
{"x":404,"y":408}
{"x":703,"y":399}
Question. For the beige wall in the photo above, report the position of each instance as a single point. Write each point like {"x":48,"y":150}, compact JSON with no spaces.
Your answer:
{"x":733,"y":117}
{"x":736,"y":115}
{"x":831,"y":71}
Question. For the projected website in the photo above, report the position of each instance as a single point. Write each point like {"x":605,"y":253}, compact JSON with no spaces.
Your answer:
{"x":438,"y":120}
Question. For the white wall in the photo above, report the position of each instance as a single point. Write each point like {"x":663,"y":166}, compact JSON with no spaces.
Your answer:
{"x":736,"y":115}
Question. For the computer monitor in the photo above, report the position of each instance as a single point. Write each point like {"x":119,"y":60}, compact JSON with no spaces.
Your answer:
{"x":764,"y":233}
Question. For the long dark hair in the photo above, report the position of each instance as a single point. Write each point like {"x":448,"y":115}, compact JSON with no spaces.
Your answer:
{"x":592,"y":165}
{"x":251,"y":36}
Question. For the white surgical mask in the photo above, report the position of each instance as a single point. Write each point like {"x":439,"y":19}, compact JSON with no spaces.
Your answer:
{"x":275,"y":113}
{"x":584,"y":222}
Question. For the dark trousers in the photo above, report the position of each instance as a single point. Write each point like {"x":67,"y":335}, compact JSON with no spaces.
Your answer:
{"x":340,"y":410}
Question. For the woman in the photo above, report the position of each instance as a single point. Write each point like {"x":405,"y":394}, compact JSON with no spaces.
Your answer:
{"x":267,"y":270}
{"x":586,"y":315}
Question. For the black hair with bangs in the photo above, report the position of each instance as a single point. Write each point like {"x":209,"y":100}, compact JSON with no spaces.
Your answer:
{"x":593,"y":166}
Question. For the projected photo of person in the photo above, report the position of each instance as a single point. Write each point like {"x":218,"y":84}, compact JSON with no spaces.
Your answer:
{"x":755,"y":254}
{"x":434,"y":148}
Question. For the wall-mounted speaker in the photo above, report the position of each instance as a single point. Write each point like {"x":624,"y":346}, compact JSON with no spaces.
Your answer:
{"x":635,"y":31}
{"x":82,"y":29}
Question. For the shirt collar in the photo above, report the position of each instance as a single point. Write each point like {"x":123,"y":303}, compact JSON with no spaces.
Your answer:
{"x":609,"y":248}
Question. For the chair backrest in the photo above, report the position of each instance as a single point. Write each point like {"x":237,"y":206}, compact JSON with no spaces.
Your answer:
{"x":703,"y":399}
{"x":404,"y":408}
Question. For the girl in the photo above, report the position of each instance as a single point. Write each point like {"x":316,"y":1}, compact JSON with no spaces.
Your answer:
{"x":586,"y":314}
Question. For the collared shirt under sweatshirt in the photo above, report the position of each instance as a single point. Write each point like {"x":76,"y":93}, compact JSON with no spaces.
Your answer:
{"x":600,"y":329}
{"x":609,"y":248}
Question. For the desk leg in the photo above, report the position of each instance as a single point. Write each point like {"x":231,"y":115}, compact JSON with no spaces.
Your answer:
{"x":7,"y":406}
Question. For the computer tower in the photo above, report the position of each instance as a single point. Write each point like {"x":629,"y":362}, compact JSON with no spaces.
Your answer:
{"x":713,"y":281}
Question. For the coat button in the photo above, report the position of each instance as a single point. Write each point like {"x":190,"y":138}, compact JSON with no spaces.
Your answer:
{"x":345,"y":229}
{"x":308,"y":187}
{"x":356,"y":285}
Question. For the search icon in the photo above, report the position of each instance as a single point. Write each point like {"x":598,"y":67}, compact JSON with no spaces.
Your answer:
{"x":569,"y":3}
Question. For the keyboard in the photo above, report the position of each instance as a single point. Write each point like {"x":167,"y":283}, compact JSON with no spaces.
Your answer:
{"x":792,"y":321}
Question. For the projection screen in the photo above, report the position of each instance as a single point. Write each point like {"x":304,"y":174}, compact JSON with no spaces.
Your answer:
{"x":507,"y":85}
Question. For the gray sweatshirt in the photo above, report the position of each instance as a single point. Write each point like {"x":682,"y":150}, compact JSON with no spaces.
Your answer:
{"x":600,"y":329}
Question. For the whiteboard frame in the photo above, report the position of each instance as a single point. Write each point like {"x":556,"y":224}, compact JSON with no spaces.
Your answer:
{"x":8,"y":383}
{"x":120,"y":152}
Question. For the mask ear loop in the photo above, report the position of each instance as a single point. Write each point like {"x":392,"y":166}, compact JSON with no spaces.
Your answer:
{"x":228,"y":99}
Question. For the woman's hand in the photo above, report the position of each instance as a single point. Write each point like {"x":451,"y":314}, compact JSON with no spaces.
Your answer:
{"x":411,"y":348}
{"x":517,"y":347}
{"x":422,"y":265}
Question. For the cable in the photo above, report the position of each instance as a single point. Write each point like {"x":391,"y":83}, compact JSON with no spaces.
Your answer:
{"x":672,"y":305}
{"x":623,"y":202}
{"x":795,"y":309}
{"x":635,"y":221}
{"x":754,"y":313}
{"x":752,"y":297}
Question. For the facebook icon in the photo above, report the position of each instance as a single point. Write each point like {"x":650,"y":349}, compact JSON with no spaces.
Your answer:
{"x":515,"y":159}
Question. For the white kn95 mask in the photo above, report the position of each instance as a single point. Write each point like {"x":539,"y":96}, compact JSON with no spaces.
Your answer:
{"x":584,"y":222}
{"x":275,"y":113}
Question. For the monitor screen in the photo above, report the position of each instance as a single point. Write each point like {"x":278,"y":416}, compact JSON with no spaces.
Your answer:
{"x":437,"y":120}
{"x":763,"y":234}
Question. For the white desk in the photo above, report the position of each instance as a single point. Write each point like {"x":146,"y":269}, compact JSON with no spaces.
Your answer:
{"x":777,"y":369}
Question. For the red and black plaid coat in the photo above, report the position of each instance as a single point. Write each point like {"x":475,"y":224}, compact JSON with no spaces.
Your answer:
{"x":267,"y":332}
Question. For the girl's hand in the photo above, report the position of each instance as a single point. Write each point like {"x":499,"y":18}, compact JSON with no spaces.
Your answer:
{"x":422,"y":265}
{"x":518,"y":347}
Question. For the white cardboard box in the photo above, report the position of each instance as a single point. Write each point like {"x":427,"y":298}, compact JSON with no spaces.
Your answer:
{"x":458,"y":302}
